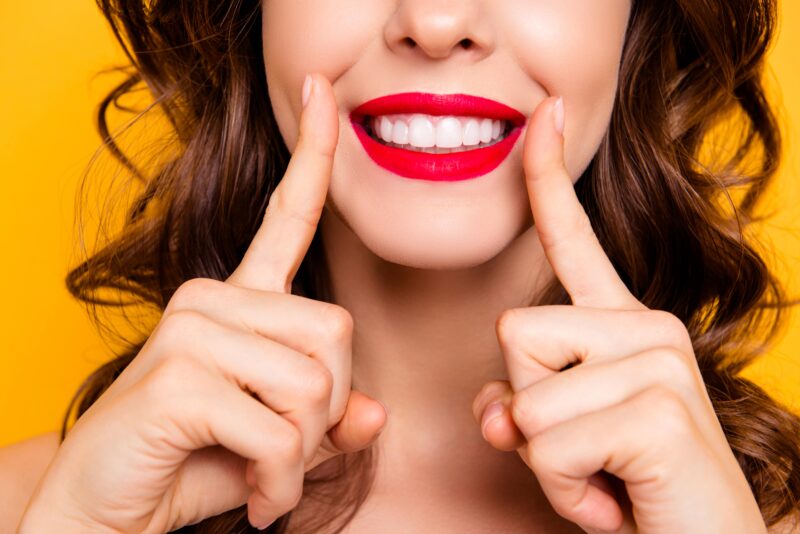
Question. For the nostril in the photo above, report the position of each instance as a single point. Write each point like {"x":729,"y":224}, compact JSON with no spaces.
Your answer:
{"x":409,"y":42}
{"x":466,"y":44}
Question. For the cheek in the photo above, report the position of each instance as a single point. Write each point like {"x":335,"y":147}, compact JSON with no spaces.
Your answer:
{"x":572,"y":48}
{"x":566,"y":47}
{"x":302,"y":36}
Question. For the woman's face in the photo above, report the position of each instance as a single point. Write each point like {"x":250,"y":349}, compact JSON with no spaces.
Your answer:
{"x":516,"y":52}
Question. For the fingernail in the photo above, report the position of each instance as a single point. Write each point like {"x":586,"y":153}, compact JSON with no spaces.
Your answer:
{"x":307,"y":89}
{"x":492,"y":411}
{"x":558,"y":115}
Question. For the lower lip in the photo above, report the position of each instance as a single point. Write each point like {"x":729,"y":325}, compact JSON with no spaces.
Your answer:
{"x":437,"y":167}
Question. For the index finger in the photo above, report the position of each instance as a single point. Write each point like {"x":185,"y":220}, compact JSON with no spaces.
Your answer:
{"x":563,"y":227}
{"x":295,"y":206}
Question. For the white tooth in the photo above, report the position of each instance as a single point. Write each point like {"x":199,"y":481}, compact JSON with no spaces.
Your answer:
{"x":421,"y":132}
{"x":472,"y":133}
{"x":376,"y":126}
{"x":448,"y":133}
{"x":495,"y":129}
{"x":386,"y":129}
{"x":400,"y":132}
{"x":486,"y":130}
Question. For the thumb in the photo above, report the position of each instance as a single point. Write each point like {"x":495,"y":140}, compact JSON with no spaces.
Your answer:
{"x":492,"y":411}
{"x":363,"y":420}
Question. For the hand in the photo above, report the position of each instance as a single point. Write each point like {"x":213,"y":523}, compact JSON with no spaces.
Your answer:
{"x":240,"y":390}
{"x":627,"y":440}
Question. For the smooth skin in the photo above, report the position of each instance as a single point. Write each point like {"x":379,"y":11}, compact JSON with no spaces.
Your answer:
{"x":636,"y":372}
{"x":423,"y":277}
{"x":634,"y":403}
{"x":133,"y":462}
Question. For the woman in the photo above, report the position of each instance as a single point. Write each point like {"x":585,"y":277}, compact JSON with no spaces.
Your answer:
{"x":495,"y":288}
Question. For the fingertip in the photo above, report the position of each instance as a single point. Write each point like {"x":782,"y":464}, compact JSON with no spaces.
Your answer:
{"x":375,"y":420}
{"x":381,"y":416}
{"x":319,"y":121}
{"x":599,"y":510}
{"x":364,"y":419}
{"x":494,"y":390}
{"x":544,"y":142}
{"x":257,"y":510}
{"x":502,"y":433}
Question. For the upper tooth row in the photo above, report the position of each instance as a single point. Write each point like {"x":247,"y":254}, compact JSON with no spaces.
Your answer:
{"x":425,"y":131}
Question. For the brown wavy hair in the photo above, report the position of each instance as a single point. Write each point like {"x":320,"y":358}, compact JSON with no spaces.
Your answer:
{"x":692,"y":144}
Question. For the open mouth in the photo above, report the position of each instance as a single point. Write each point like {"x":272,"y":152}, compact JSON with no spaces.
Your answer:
{"x":436,"y":134}
{"x":437,"y":137}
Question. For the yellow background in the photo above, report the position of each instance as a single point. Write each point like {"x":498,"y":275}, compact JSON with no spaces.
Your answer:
{"x":48,"y":53}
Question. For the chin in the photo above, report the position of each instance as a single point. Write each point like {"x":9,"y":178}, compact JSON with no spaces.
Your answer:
{"x":423,"y":224}
{"x":425,"y":231}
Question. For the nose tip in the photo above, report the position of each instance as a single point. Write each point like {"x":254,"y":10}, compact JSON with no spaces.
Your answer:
{"x":438,"y":29}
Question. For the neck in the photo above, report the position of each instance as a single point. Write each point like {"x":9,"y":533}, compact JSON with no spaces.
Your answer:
{"x":424,"y":343}
{"x":424,"y":340}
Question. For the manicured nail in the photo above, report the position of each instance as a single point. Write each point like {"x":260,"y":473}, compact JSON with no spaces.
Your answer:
{"x":307,"y":89}
{"x":558,"y":115}
{"x":492,"y":411}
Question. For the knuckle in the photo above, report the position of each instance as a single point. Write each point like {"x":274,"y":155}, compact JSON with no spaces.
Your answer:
{"x":673,"y":366}
{"x":672,"y":328}
{"x":293,"y":496}
{"x":337,"y":323}
{"x":190,"y":292}
{"x":319,"y":384}
{"x":582,"y":225}
{"x":290,"y":497}
{"x":541,"y":455}
{"x":314,"y":144}
{"x":175,"y":329}
{"x":579,"y":226}
{"x":177,"y":335}
{"x":666,"y":412}
{"x":507,"y":326}
{"x":525,"y":413}
{"x":170,"y":377}
{"x":280,"y":206}
{"x":289,"y":443}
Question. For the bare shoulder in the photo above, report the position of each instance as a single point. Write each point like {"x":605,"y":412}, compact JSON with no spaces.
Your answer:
{"x":21,"y":466}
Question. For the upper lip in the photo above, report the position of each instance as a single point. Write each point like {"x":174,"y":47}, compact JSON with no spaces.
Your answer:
{"x":438,"y":104}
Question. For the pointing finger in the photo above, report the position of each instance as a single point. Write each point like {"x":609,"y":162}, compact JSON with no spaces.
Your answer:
{"x":564,"y":228}
{"x":295,"y":206}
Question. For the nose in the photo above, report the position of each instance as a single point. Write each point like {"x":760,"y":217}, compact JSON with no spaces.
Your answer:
{"x":439,"y":29}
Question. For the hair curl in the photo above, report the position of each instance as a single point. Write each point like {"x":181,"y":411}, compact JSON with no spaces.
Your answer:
{"x":670,"y":209}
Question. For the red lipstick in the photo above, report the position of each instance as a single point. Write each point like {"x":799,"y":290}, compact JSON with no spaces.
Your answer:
{"x":462,"y":165}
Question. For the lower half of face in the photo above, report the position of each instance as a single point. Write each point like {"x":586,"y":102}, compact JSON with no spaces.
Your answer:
{"x":432,"y":182}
